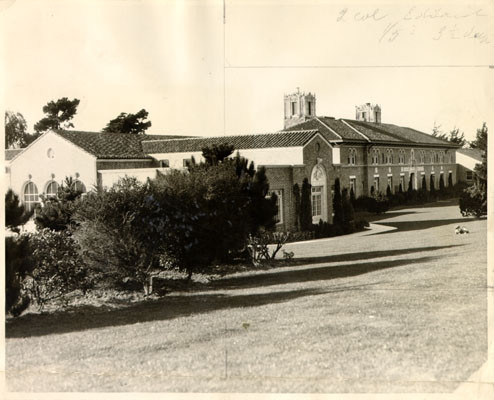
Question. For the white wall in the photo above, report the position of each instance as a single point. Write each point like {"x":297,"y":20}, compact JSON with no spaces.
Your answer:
{"x":466,"y":161}
{"x":68,"y":160}
{"x":111,"y":176}
{"x":269,"y":156}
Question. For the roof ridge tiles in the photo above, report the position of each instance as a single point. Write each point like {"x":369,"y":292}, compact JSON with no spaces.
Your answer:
{"x":234,"y":136}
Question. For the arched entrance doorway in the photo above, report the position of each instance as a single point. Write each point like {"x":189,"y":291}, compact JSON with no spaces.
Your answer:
{"x":319,"y":198}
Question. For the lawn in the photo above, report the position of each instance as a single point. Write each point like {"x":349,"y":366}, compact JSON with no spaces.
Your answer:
{"x":403,"y":310}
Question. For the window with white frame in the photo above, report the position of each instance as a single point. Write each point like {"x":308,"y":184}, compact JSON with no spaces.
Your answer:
{"x":412,"y":156}
{"x":441,"y":157}
{"x":432,"y":157}
{"x":51,"y":189}
{"x":422,"y":156}
{"x":279,"y":204}
{"x":317,"y":201}
{"x":31,"y":197}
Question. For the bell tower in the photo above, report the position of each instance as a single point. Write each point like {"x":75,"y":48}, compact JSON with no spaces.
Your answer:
{"x":299,"y":107}
{"x":368,"y":112}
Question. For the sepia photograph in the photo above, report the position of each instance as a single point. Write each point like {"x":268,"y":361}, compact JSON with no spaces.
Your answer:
{"x":231,"y":197}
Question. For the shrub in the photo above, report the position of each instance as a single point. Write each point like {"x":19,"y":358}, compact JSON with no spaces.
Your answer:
{"x":184,"y":220}
{"x":18,"y":264}
{"x":56,"y":212}
{"x":121,"y":232}
{"x":380,"y":204}
{"x":338,"y":217}
{"x":473,"y":201}
{"x":296,"y":198}
{"x":259,"y":249}
{"x":325,"y":229}
{"x":58,"y":266}
{"x":305,"y":206}
{"x":15,"y":213}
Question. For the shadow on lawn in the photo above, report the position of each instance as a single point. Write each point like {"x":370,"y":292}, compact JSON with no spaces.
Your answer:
{"x":363,"y":255}
{"x":180,"y":305}
{"x":404,"y":226}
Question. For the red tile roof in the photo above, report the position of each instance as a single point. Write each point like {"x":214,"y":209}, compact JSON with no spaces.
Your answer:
{"x":111,"y":145}
{"x":266,"y":140}
{"x":378,"y":133}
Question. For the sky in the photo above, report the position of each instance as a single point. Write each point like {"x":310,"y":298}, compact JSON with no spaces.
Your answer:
{"x":424,"y":63}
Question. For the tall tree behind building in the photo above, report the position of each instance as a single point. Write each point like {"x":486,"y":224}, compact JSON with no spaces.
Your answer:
{"x":58,"y":115}
{"x":129,"y":123}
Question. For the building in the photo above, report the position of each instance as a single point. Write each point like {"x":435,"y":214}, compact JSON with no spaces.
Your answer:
{"x":467,"y":159}
{"x":366,"y":154}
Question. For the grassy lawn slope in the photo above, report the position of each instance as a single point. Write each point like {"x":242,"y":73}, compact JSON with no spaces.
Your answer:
{"x":404,"y":310}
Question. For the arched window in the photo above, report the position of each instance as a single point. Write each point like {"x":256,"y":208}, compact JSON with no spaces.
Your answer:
{"x":375,"y":157}
{"x":51,"y":189}
{"x":422,"y":156}
{"x":31,"y":197}
{"x":433,"y":157}
{"x":389,"y":156}
{"x":401,"y":157}
{"x":352,"y":156}
{"x":412,"y":156}
{"x":79,"y":186}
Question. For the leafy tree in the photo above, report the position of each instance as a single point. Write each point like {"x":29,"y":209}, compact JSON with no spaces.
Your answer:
{"x":15,"y":212}
{"x":456,"y":137}
{"x":450,"y":181}
{"x":337,"y":204}
{"x":129,"y":123}
{"x":15,"y":129}
{"x":388,"y":192}
{"x":400,"y":188}
{"x":58,"y":115}
{"x":480,"y":141}
{"x":215,"y":154}
{"x":305,"y":206}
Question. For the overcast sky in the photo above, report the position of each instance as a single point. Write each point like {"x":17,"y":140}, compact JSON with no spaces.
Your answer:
{"x":423,"y":64}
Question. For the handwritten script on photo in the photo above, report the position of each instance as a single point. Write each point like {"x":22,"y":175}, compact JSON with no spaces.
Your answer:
{"x":433,"y":23}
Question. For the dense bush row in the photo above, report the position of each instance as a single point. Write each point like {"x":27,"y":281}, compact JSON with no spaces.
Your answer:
{"x":184,"y":220}
{"x":379,"y":203}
